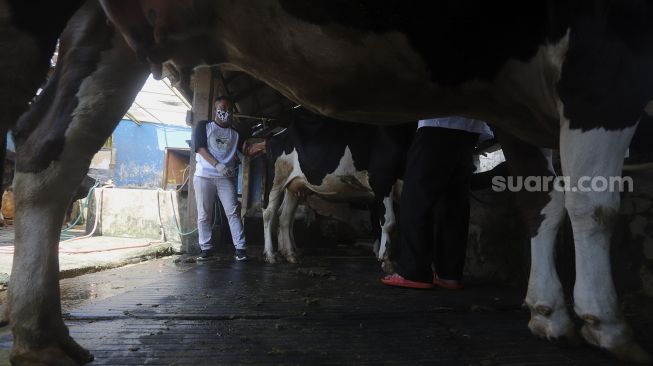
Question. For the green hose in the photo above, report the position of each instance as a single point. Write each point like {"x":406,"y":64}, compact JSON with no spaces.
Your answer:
{"x":216,"y":214}
{"x":65,"y":236}
{"x":64,"y":232}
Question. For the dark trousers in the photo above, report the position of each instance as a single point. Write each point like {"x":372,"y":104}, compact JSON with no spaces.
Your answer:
{"x":436,"y":189}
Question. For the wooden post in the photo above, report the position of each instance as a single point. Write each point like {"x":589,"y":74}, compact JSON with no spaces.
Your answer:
{"x":203,"y":85}
{"x":244,"y":204}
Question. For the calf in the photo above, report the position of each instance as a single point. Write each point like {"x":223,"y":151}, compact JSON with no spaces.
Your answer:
{"x":337,"y":161}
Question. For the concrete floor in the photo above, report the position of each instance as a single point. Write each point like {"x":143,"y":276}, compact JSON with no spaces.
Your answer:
{"x":91,"y":254}
{"x":326,"y":310}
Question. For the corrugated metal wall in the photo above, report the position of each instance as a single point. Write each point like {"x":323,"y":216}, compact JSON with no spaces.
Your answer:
{"x":139,"y":152}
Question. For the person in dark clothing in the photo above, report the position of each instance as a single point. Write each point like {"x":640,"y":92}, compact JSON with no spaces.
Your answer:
{"x":436,"y":186}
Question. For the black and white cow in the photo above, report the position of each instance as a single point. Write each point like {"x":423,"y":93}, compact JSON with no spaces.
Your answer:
{"x":572,"y":75}
{"x":337,"y":161}
{"x":28,"y":37}
{"x":97,"y":76}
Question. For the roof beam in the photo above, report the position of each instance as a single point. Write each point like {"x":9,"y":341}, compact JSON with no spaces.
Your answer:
{"x":134,"y":119}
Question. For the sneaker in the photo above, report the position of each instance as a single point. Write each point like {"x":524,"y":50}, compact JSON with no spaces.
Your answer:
{"x":447,"y":284}
{"x":241,"y":255}
{"x":398,"y":281}
{"x":205,"y":255}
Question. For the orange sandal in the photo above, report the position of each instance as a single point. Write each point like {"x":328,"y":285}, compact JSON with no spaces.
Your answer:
{"x":447,"y":284}
{"x":398,"y":281}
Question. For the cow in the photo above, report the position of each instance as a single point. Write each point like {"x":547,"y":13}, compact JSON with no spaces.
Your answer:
{"x":96,"y":78}
{"x":28,"y":37}
{"x":568,"y":75}
{"x":336,"y":161}
{"x":81,"y":192}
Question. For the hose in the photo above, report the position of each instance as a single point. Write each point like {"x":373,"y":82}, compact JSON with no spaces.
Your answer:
{"x":98,"y":211}
{"x":217,"y":214}
{"x":79,"y":215}
{"x":68,"y":250}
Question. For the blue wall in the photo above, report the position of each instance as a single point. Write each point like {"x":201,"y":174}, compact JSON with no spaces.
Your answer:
{"x":140,"y":152}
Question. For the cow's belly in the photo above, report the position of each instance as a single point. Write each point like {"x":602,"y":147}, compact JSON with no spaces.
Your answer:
{"x":335,"y":188}
{"x":344,"y":184}
{"x":526,"y":111}
{"x":380,"y":78}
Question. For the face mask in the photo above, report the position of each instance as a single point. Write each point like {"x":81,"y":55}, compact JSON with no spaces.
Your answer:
{"x":222,"y":115}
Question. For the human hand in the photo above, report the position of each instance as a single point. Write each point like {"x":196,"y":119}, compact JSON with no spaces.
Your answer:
{"x":253,"y":149}
{"x":224,"y":170}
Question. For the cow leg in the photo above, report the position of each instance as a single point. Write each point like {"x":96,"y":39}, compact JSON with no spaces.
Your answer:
{"x":375,"y":216}
{"x":545,"y":298}
{"x":40,"y":334}
{"x":46,"y":180}
{"x":270,"y":223}
{"x":291,"y":252}
{"x":282,"y":169}
{"x":596,"y":153}
{"x":388,"y":223}
{"x":543,"y":212}
{"x":3,"y":156}
{"x":286,"y":224}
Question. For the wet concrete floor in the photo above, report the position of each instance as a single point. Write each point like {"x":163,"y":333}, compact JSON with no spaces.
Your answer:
{"x":326,"y":310}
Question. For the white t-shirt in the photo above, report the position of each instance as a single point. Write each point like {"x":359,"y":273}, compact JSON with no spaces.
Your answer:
{"x":459,"y":123}
{"x":221,"y":143}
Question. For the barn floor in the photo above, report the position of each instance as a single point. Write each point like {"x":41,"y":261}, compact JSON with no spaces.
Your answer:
{"x":89,"y":254}
{"x":326,"y":310}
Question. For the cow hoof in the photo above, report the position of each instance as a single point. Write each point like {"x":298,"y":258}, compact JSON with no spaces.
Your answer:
{"x":376,"y":247}
{"x":553,"y":324}
{"x":388,"y":267}
{"x":66,"y":353}
{"x":291,"y":258}
{"x":616,"y":338}
{"x":270,"y":258}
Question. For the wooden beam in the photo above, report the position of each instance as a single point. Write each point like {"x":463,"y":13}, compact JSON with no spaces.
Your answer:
{"x":180,"y":80}
{"x":154,"y":118}
{"x":177,"y":93}
{"x":134,"y":119}
{"x":244,"y":205}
